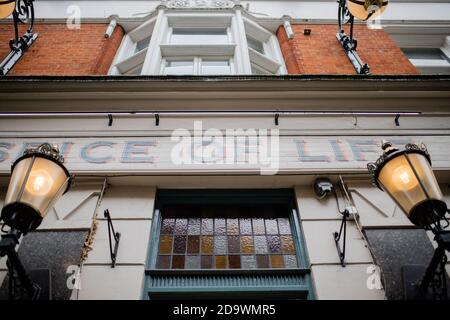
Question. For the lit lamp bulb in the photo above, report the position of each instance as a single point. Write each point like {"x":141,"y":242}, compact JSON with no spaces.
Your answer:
{"x":404,"y":179}
{"x":39,"y":183}
{"x":366,"y":9}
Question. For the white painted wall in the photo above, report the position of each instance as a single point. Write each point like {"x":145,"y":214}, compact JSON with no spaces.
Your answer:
{"x":131,"y":209}
{"x":320,"y":219}
{"x":424,"y":10}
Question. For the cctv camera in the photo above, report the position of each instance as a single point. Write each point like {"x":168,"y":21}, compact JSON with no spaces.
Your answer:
{"x":322,"y":187}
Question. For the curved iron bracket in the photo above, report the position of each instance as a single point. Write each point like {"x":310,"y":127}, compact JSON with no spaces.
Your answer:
{"x":22,"y":14}
{"x":348,"y":43}
{"x":112,"y":234}
{"x":337,"y":237}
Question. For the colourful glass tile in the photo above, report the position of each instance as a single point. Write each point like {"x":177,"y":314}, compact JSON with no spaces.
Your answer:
{"x":192,"y":262}
{"x":261,"y":244}
{"x":262,"y":261}
{"x":284,"y":226}
{"x":271,"y":226}
{"x":177,"y":262}
{"x":179,"y":245}
{"x":207,"y":262}
{"x":168,"y":226}
{"x":220,"y":227}
{"x":258,"y":226}
{"x":221,"y":262}
{"x":233,"y":226}
{"x":181,"y":226}
{"x":248,"y":262}
{"x":247,"y":244}
{"x":245,"y":226}
{"x":233,"y":244}
{"x":290,"y":261}
{"x":163,"y":262}
{"x":194,"y":226}
{"x":234,"y":261}
{"x":207,"y":243}
{"x":207,"y":226}
{"x":276,"y":261}
{"x":287,"y":244}
{"x":193,"y":244}
{"x":220,"y":245}
{"x":274,"y":244}
{"x":165,"y":244}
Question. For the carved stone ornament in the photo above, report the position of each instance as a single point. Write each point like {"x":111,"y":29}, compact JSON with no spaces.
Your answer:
{"x":200,"y":3}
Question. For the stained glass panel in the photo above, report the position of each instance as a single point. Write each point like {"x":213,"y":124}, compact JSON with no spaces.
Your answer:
{"x":226,"y":237}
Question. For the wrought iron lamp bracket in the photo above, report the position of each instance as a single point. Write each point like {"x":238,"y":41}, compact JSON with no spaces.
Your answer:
{"x":112,"y":235}
{"x":348,"y":43}
{"x":22,"y":14}
{"x":18,"y":276}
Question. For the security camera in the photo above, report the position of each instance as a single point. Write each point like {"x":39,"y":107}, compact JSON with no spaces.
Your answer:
{"x":322,"y":187}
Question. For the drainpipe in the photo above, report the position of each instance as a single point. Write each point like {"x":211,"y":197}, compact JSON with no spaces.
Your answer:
{"x":287,"y":26}
{"x":112,"y":25}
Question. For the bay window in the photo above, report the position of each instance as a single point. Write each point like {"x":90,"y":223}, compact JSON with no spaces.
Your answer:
{"x":190,"y":42}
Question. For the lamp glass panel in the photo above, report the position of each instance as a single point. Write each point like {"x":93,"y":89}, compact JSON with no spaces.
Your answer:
{"x":45,"y":183}
{"x":6,"y":9}
{"x":399,"y":180}
{"x":359,"y":11}
{"x":16,"y":181}
{"x":426,"y":175}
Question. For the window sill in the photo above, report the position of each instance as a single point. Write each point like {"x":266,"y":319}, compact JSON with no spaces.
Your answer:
{"x":131,"y":62}
{"x":221,"y":272}
{"x":263,"y":61}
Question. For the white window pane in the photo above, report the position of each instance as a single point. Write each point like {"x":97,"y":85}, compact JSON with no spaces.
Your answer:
{"x":178,"y":67}
{"x":142,"y":44}
{"x":199,"y":36}
{"x":216,"y":67}
{"x":424,"y":53}
{"x":255,"y":44}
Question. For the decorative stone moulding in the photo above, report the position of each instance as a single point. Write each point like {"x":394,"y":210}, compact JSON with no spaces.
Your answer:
{"x":200,"y":3}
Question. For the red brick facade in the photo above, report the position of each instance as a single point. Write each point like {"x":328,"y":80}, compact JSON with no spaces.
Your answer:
{"x":321,"y":53}
{"x":61,"y":51}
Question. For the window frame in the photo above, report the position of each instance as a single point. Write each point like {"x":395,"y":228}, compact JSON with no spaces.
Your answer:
{"x":263,"y":196}
{"x":197,"y":63}
{"x":160,"y":25}
{"x":428,"y":65}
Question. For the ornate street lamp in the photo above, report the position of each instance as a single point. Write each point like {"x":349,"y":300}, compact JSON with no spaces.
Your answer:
{"x":406,"y":175}
{"x":364,"y":10}
{"x":22,"y":12}
{"x":38,"y":180}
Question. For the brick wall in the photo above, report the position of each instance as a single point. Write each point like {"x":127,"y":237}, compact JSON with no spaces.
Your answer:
{"x":61,"y":51}
{"x":321,"y":53}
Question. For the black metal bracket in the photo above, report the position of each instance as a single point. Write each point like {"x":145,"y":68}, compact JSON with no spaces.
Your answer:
{"x":22,"y":14}
{"x":337,"y":237}
{"x":396,"y":120}
{"x":348,"y":43}
{"x":19,"y":280}
{"x":432,"y":285}
{"x":110,"y":120}
{"x":112,"y":234}
{"x":157,"y":119}
{"x":277,"y":116}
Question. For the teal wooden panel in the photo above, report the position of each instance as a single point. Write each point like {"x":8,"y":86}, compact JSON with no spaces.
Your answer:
{"x":281,"y":283}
